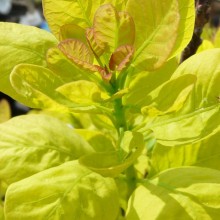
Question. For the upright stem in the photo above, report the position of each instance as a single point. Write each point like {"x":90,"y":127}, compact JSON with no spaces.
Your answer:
{"x":202,"y":17}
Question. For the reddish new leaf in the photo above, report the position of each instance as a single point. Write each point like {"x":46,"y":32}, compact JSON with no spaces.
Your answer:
{"x":121,"y":58}
{"x":78,"y":53}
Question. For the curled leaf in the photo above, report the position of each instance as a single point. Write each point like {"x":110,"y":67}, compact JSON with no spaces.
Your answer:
{"x":121,"y":58}
{"x":113,"y":163}
{"x":78,"y":53}
{"x":93,"y":43}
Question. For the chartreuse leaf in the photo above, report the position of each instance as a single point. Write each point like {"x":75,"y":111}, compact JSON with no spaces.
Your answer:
{"x":73,"y":31}
{"x":154,"y":41}
{"x":76,"y":12}
{"x":99,"y":141}
{"x":186,"y":25}
{"x":35,"y":86}
{"x":67,"y":192}
{"x":201,"y":109}
{"x":82,"y":92}
{"x":203,"y":153}
{"x":183,"y":193}
{"x":114,"y":162}
{"x":32,"y":143}
{"x":113,"y":29}
{"x":21,"y":44}
{"x":178,"y":88}
{"x":141,"y":84}
{"x":5,"y":111}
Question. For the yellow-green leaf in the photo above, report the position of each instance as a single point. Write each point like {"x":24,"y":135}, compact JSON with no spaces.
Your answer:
{"x":183,"y":193}
{"x":66,"y":192}
{"x":35,"y":86}
{"x":82,"y":92}
{"x":79,"y":12}
{"x":114,"y":162}
{"x":32,"y":143}
{"x":72,"y":31}
{"x":156,"y":24}
{"x":21,"y":44}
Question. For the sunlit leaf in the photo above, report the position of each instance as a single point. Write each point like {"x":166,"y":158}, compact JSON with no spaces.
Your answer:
{"x":143,"y":83}
{"x":186,"y":25}
{"x":81,"y":13}
{"x":121,"y":58}
{"x":69,"y":191}
{"x":202,"y":152}
{"x":181,"y":193}
{"x":32,"y":143}
{"x":35,"y":86}
{"x":156,"y":24}
{"x":82,"y":92}
{"x":178,"y":90}
{"x":114,"y":162}
{"x":21,"y":44}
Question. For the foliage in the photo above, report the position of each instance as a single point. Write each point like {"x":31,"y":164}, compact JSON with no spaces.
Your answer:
{"x":127,"y":134}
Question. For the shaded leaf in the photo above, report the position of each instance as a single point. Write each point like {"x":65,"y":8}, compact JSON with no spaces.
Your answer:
{"x":66,"y":192}
{"x":32,"y":143}
{"x":5,"y":111}
{"x":113,"y":163}
{"x":72,"y":31}
{"x":99,"y":141}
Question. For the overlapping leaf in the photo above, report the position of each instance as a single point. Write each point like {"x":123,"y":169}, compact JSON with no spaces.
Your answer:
{"x":156,"y":33}
{"x":77,"y":12}
{"x":113,"y":29}
{"x":82,"y":92}
{"x":114,"y":162}
{"x":72,"y":31}
{"x":32,"y":143}
{"x":200,"y":108}
{"x":203,"y":153}
{"x":181,"y":193}
{"x":21,"y":44}
{"x":121,"y":57}
{"x":69,"y":191}
{"x":35,"y":86}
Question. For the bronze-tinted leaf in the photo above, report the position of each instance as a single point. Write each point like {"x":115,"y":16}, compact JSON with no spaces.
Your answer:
{"x":121,"y":58}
